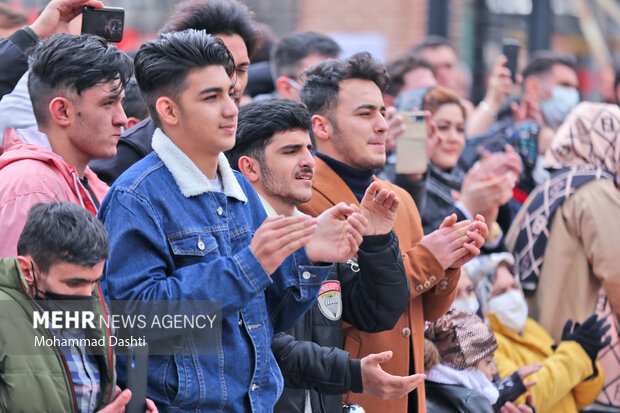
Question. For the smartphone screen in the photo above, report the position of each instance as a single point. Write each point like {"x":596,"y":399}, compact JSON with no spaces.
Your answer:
{"x":411,"y":155}
{"x":510,"y":49}
{"x":107,"y":22}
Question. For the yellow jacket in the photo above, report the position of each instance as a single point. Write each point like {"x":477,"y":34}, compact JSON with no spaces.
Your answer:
{"x":561,"y":385}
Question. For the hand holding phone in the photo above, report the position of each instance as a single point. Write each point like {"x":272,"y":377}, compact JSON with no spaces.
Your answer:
{"x":510,"y":49}
{"x":411,"y":157}
{"x":107,"y":22}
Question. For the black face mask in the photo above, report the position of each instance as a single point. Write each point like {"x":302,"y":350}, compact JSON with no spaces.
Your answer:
{"x":78,"y":302}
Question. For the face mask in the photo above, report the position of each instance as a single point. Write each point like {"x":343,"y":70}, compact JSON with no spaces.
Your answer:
{"x":555,"y":109}
{"x":411,"y":99}
{"x":65,"y":302}
{"x":510,"y":309}
{"x":470,"y":304}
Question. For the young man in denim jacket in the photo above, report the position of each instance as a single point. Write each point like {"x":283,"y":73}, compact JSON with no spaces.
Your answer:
{"x":184,"y":226}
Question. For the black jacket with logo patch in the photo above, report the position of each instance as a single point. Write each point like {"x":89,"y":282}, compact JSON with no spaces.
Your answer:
{"x":374,"y":292}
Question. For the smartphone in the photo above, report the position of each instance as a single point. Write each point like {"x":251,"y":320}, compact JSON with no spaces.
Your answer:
{"x":510,"y":49}
{"x":107,"y":22}
{"x":137,"y":369}
{"x":411,"y":155}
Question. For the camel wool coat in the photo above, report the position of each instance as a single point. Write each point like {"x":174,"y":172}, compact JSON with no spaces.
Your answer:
{"x":432,"y":290}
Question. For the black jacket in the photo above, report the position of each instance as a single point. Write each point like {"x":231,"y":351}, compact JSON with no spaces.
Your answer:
{"x":452,"y":398}
{"x":372,"y":300}
{"x":133,"y":145}
{"x":13,"y":60}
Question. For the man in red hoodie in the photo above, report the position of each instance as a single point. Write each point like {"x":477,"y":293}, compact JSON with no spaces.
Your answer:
{"x":76,"y":85}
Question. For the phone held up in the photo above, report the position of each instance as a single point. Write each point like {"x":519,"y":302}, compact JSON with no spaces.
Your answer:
{"x":107,"y":22}
{"x":510,"y":49}
{"x":411,"y":155}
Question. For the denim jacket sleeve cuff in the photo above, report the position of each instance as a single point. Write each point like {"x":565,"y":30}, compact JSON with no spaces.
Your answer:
{"x":253,"y":269}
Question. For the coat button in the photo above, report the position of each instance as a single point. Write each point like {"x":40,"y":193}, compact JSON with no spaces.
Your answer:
{"x":220,"y":211}
{"x":427,"y":284}
{"x":253,"y":387}
{"x":306,"y":275}
{"x":432,"y":278}
{"x":201,"y":245}
{"x":419,"y":288}
{"x":406,"y":332}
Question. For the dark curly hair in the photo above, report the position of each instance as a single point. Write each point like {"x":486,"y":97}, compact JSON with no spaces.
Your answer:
{"x":320,"y":89}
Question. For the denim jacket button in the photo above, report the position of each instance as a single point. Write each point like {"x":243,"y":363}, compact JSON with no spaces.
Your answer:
{"x":254,"y":387}
{"x":220,"y":211}
{"x":306,"y":275}
{"x":201,"y":245}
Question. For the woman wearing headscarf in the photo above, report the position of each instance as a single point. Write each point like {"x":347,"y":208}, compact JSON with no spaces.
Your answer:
{"x":565,"y":239}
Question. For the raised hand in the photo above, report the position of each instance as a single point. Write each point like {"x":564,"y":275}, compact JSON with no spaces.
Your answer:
{"x":477,"y":234}
{"x":380,"y":384}
{"x":56,"y":16}
{"x":279,"y":237}
{"x":379,"y":210}
{"x":337,"y":239}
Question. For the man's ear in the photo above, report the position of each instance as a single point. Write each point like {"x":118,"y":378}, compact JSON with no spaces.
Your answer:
{"x":322,"y":127}
{"x":26,"y":267}
{"x":284,"y":88}
{"x":250,"y":168}
{"x":131,"y":122}
{"x":532,"y":86}
{"x":61,"y":110}
{"x":168,"y":111}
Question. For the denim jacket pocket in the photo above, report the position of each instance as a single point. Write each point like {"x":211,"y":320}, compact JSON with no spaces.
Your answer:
{"x":175,"y":373}
{"x":192,"y":247}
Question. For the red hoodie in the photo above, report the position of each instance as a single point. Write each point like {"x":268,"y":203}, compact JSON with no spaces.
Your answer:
{"x":30,"y":174}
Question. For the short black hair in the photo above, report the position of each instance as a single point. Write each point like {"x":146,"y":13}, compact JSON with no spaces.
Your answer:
{"x":63,"y":232}
{"x":216,"y":17}
{"x":288,"y":53}
{"x":162,"y":65}
{"x":431,"y":41}
{"x":541,"y":64}
{"x":260,"y":120}
{"x":66,"y":63}
{"x":133,"y":104}
{"x":400,"y":67}
{"x":320,"y":89}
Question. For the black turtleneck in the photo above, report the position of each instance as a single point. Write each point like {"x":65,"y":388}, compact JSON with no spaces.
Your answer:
{"x":356,"y":180}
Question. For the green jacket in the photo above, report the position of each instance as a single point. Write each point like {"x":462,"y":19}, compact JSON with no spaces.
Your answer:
{"x":39,"y":382}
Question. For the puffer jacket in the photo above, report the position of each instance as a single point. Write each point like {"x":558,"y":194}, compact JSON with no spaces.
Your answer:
{"x":370,"y":294}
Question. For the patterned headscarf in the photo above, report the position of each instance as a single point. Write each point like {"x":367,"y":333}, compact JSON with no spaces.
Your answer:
{"x":585,"y":148}
{"x":462,"y":338}
{"x":588,"y":136}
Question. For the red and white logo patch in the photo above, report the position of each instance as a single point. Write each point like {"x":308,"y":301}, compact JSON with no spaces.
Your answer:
{"x":330,"y":300}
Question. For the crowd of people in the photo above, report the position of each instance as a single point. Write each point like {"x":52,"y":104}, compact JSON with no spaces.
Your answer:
{"x":485,"y":283}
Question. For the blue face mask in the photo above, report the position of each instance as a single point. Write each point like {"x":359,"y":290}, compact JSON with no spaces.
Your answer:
{"x":555,"y":109}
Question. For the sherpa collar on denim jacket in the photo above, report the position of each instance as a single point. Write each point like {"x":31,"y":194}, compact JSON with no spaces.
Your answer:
{"x":188,"y":177}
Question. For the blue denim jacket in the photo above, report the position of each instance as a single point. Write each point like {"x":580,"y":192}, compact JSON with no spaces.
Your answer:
{"x":172,"y":238}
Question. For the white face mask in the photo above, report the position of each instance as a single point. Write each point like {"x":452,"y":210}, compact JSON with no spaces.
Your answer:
{"x":510,"y":309}
{"x":563,"y":99}
{"x":470,"y":304}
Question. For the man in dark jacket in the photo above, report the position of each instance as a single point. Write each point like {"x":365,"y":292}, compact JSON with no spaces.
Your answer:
{"x":230,"y":21}
{"x":274,"y":151}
